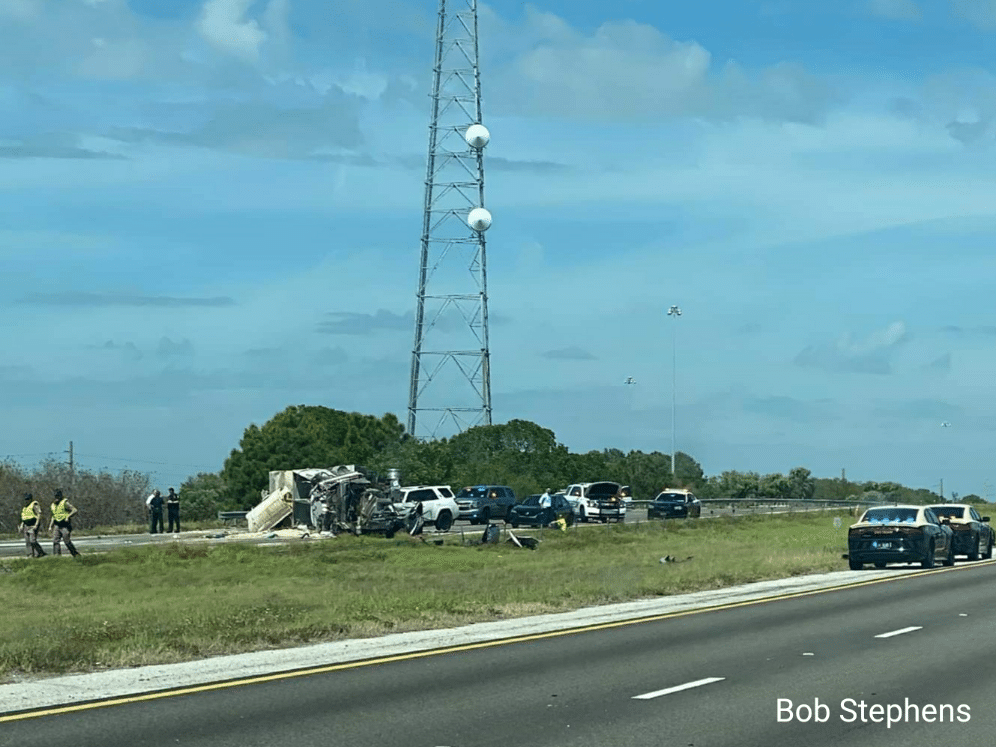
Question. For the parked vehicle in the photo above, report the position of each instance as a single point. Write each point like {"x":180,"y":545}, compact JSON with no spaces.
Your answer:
{"x":439,"y":507}
{"x":899,"y":534}
{"x":972,"y":534}
{"x":530,"y":513}
{"x":597,"y":500}
{"x":479,"y":504}
{"x":675,"y":504}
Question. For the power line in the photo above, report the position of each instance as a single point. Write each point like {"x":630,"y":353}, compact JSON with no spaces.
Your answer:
{"x":146,"y":461}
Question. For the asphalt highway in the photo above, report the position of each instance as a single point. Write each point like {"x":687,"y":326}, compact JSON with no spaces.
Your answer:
{"x":917,"y":645}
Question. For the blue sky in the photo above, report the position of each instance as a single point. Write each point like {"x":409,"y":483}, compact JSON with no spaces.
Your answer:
{"x":212,"y":209}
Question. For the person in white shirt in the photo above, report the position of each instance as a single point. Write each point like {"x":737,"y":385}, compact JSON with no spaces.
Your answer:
{"x":545,"y":501}
{"x":155,"y":504}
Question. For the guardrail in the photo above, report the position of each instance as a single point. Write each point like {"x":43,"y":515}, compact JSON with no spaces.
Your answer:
{"x":227,"y":516}
{"x":780,"y":502}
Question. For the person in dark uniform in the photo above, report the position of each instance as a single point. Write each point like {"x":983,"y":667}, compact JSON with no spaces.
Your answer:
{"x":61,"y":524}
{"x":30,"y":524}
{"x":173,"y":511}
{"x":155,"y":503}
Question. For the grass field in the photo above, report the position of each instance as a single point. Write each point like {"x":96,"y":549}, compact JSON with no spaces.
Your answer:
{"x":175,"y":602}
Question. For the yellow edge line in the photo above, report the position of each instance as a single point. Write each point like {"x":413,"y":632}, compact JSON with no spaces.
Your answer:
{"x":448,"y":650}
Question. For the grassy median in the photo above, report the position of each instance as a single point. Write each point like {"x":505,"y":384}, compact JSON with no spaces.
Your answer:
{"x":180,"y":601}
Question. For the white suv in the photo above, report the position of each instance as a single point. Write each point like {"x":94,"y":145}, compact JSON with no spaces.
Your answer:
{"x":438,"y":504}
{"x":597,"y":500}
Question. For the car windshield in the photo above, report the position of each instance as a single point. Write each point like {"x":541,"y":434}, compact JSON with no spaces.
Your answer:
{"x":532,"y":500}
{"x":890,"y":516}
{"x":671,"y":497}
{"x":951,"y":512}
{"x":476,"y":492}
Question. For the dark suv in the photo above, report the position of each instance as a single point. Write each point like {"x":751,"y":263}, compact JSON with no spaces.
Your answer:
{"x":479,"y":504}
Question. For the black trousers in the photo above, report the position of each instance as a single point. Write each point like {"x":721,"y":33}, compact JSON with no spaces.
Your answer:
{"x":174,"y":518}
{"x":156,"y":522}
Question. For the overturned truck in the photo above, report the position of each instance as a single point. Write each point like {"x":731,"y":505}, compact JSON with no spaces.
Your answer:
{"x":345,"y":498}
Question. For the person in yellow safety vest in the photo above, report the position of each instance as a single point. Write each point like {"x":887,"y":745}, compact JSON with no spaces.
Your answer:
{"x":31,"y":516}
{"x":61,"y":524}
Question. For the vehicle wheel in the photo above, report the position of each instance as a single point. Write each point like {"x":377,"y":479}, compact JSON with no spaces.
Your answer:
{"x":389,"y":534}
{"x":987,"y":555}
{"x":855,"y":565}
{"x":949,"y":559}
{"x":515,"y":524}
{"x":880,"y":564}
{"x":582,"y":515}
{"x":976,"y":548}
{"x":485,"y":516}
{"x":444,"y":521}
{"x":928,"y":561}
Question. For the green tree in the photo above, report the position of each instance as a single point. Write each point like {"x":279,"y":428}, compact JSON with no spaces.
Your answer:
{"x":203,"y":496}
{"x":802,"y":485}
{"x":688,"y":472}
{"x":520,"y":454}
{"x":304,"y":436}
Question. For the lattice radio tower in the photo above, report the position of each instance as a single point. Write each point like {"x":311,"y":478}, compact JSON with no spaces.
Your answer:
{"x":451,"y":376}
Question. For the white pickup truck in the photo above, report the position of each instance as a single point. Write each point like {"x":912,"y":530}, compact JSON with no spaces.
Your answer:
{"x":600,"y":501}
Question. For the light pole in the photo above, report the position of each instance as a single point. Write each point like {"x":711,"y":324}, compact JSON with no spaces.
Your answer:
{"x":944,"y":424}
{"x":675,"y":312}
{"x":630,"y":382}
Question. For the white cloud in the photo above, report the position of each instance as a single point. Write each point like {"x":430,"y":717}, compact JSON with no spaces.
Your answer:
{"x":223,"y":25}
{"x":871,"y":355}
{"x":899,"y":10}
{"x":22,"y":10}
{"x":276,"y":19}
{"x":120,"y":59}
{"x":626,"y":70}
{"x":981,"y":13}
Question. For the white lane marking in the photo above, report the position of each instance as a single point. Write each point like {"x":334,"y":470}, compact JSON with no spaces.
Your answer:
{"x":678,"y":688}
{"x":899,"y":632}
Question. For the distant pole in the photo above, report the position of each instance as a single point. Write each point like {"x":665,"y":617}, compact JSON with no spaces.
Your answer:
{"x":72,"y":472}
{"x":944,"y":424}
{"x":675,"y":312}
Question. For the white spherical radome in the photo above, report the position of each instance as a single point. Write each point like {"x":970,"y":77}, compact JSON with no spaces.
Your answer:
{"x":479,"y":219}
{"x":477,"y":136}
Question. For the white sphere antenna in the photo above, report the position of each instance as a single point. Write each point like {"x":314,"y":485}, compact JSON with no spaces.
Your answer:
{"x":477,"y":136}
{"x":479,"y":219}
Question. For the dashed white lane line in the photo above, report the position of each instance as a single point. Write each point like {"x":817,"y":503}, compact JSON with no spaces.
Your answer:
{"x":678,"y":688}
{"x":899,"y":632}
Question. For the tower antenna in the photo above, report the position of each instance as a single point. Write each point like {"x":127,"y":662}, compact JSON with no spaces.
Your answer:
{"x":450,"y":388}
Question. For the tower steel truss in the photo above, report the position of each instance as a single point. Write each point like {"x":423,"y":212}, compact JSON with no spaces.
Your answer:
{"x":450,"y":375}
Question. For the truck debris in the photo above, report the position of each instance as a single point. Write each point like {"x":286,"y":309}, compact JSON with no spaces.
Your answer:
{"x":342,"y":499}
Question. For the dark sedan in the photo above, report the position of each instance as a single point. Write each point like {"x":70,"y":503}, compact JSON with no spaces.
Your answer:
{"x":530,"y":513}
{"x":674,"y":504}
{"x":899,"y":534}
{"x":972,"y":534}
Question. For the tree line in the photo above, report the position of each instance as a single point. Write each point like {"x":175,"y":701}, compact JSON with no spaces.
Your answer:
{"x":520,"y":454}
